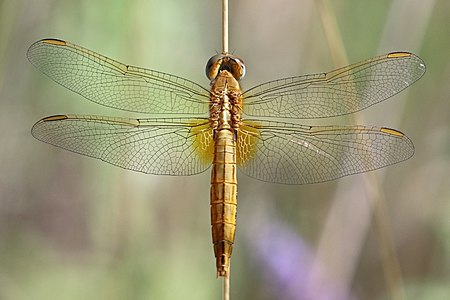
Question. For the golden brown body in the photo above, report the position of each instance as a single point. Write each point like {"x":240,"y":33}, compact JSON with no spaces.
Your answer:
{"x":225,"y":110}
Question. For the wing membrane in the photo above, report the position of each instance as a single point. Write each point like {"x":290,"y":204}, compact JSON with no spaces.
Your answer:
{"x":295,"y":154}
{"x":113,"y":84}
{"x":338,"y":92}
{"x":154,"y":146}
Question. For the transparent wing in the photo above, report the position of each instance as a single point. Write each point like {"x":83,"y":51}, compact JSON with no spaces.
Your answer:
{"x":338,"y":92}
{"x":154,"y":146}
{"x":295,"y":154}
{"x":113,"y":84}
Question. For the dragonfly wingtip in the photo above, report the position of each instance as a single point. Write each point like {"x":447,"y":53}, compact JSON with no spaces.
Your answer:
{"x":55,"y":42}
{"x":391,"y":131}
{"x":399,"y":54}
{"x":55,"y":118}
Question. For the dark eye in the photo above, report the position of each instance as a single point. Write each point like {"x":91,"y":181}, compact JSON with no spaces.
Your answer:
{"x":213,"y":66}
{"x":237,"y":68}
{"x":225,"y":62}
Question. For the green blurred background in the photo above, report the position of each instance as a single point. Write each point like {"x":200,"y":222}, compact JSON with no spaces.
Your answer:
{"x":72,"y":227}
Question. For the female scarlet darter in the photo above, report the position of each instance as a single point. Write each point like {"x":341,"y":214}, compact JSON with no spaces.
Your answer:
{"x":190,"y":128}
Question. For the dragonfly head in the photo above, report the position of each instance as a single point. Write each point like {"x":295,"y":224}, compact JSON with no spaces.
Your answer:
{"x":228,"y":62}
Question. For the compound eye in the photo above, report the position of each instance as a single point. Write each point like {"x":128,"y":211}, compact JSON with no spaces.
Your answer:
{"x":225,"y":62}
{"x":237,"y":68}
{"x":213,"y":66}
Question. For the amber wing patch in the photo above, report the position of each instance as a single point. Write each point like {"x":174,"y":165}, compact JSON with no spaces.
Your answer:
{"x":247,"y":139}
{"x":203,"y":141}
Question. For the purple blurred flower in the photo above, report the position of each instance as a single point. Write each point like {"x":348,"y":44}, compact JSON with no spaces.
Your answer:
{"x":290,"y":265}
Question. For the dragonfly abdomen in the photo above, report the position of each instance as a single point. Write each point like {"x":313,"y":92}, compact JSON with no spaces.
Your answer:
{"x":223,"y":198}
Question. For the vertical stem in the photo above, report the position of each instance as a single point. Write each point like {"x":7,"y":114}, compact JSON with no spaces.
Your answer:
{"x":226,"y":286}
{"x":224,"y":26}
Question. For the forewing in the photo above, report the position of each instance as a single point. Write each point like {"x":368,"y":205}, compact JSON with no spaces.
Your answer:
{"x":338,"y":92}
{"x":295,"y":154}
{"x":113,"y":84}
{"x":154,"y":146}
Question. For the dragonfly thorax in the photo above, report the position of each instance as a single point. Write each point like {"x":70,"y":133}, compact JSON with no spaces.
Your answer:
{"x":226,"y":102}
{"x":225,"y":62}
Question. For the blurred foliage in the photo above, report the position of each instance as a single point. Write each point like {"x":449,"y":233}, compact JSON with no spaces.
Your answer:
{"x":75,"y":228}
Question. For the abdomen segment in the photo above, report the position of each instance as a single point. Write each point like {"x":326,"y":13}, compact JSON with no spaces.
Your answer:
{"x":223,"y":199}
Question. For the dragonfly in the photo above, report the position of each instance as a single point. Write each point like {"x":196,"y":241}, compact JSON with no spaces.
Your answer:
{"x":189,"y":128}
